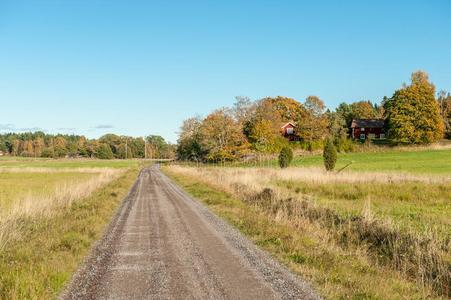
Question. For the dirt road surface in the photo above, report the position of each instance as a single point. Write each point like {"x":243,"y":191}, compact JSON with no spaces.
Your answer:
{"x":163,"y":244}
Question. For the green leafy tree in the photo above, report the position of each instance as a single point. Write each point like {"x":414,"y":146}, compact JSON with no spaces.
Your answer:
{"x":329,"y":155}
{"x":104,"y":152}
{"x":285,"y":157}
{"x":413,"y":114}
{"x":189,"y":145}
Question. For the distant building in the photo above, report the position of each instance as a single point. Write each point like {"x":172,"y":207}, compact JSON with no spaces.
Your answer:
{"x":1,"y":153}
{"x":288,"y":131}
{"x":367,"y":129}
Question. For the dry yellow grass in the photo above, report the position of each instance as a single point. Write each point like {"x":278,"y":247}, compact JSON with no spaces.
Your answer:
{"x":258,"y":178}
{"x":420,"y":255}
{"x":53,"y":170}
{"x":36,"y":206}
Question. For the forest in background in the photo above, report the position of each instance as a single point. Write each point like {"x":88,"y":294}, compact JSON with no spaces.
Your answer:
{"x":109,"y":146}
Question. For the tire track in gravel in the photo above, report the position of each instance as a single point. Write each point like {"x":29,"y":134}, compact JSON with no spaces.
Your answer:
{"x":162,"y":244}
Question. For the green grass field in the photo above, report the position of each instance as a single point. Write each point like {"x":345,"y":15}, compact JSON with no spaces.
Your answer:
{"x":426,"y":161}
{"x":419,"y":162}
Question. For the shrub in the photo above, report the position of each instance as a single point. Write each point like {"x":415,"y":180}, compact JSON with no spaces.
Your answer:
{"x":47,"y":152}
{"x":285,"y":157}
{"x":329,"y":155}
{"x":104,"y":152}
{"x":344,"y":145}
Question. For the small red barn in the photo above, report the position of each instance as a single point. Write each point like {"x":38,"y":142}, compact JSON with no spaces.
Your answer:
{"x":367,"y":128}
{"x":288,"y":131}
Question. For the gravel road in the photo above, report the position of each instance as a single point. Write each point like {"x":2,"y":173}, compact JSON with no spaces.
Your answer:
{"x":162,"y":244}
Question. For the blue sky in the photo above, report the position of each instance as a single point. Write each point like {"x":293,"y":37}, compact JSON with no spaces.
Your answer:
{"x":141,"y":67}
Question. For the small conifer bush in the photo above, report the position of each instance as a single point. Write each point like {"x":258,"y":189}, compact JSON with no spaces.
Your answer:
{"x":285,"y":157}
{"x":329,"y":155}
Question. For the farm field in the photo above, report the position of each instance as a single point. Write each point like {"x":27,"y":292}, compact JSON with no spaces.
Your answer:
{"x":51,"y":211}
{"x":349,"y":233}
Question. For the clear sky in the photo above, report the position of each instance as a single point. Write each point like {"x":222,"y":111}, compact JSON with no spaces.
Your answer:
{"x":141,"y":67}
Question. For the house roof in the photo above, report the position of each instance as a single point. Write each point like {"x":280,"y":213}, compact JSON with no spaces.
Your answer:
{"x":286,"y":124}
{"x":367,"y":123}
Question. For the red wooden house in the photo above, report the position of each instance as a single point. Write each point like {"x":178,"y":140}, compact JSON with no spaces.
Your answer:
{"x":367,"y":129}
{"x":288,"y":130}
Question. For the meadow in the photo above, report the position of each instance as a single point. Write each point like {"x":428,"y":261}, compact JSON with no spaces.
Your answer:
{"x":23,"y":162}
{"x":51,"y":212}
{"x":427,"y":161}
{"x":379,"y":229}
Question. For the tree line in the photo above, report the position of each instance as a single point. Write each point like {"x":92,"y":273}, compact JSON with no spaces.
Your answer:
{"x":413,"y":115}
{"x":109,"y":146}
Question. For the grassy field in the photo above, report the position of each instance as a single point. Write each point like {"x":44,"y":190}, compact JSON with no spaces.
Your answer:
{"x":307,"y":249}
{"x":17,"y":185}
{"x":413,"y":206}
{"x":379,"y":234}
{"x":20,"y":162}
{"x":419,"y":162}
{"x":52,"y":212}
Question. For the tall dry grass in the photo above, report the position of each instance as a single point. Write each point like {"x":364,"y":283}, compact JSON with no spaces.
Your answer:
{"x":32,"y":207}
{"x":423,"y":258}
{"x":260,"y":177}
{"x":52,"y":170}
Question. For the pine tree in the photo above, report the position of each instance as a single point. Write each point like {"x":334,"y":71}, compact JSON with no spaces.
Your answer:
{"x":413,"y":113}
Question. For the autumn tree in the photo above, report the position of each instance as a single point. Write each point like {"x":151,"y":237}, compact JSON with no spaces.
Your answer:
{"x":59,"y":146}
{"x":39,"y":146}
{"x":288,"y":108}
{"x":359,"y":110}
{"x":413,"y":114}
{"x":263,"y":129}
{"x":312,"y":122}
{"x":363,"y":110}
{"x":222,"y":137}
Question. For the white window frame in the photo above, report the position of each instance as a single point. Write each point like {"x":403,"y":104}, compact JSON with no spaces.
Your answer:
{"x":362,"y":136}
